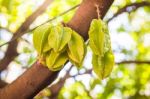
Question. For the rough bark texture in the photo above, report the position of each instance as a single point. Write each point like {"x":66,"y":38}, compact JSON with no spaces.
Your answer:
{"x":37,"y":77}
{"x":29,"y":84}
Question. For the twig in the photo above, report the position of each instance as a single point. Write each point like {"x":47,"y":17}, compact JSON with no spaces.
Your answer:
{"x":61,"y":14}
{"x":133,"y":62}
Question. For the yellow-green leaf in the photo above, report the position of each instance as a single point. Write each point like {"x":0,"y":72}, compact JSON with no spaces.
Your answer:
{"x":102,"y":66}
{"x":55,"y":60}
{"x":59,"y":37}
{"x":76,"y":48}
{"x":40,"y":38}
{"x":97,"y":36}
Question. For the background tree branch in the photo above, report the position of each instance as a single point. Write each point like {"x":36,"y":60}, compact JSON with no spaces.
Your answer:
{"x":11,"y":51}
{"x":133,"y":62}
{"x":129,"y":8}
{"x":55,"y":88}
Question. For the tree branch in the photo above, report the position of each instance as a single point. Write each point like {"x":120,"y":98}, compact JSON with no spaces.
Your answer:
{"x":3,"y":28}
{"x":29,"y":84}
{"x":38,"y":76}
{"x":129,"y":8}
{"x":134,"y":62}
{"x":2,"y":83}
{"x":57,"y":87}
{"x":11,"y":51}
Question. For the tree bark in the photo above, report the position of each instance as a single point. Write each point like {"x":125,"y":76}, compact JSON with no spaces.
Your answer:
{"x":2,"y":83}
{"x":29,"y":84}
{"x":38,"y":76}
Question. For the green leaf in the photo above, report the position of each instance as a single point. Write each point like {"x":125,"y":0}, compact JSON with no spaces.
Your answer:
{"x":40,"y":38}
{"x":55,"y":60}
{"x":76,"y":48}
{"x":102,"y":66}
{"x":59,"y":37}
{"x":97,"y":36}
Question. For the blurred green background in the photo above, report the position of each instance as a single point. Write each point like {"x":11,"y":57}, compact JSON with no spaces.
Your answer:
{"x":130,"y":37}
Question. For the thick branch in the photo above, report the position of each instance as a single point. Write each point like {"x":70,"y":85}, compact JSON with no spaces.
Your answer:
{"x":2,"y":83}
{"x":38,"y":77}
{"x":129,"y":8}
{"x":11,"y":51}
{"x":29,"y":84}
